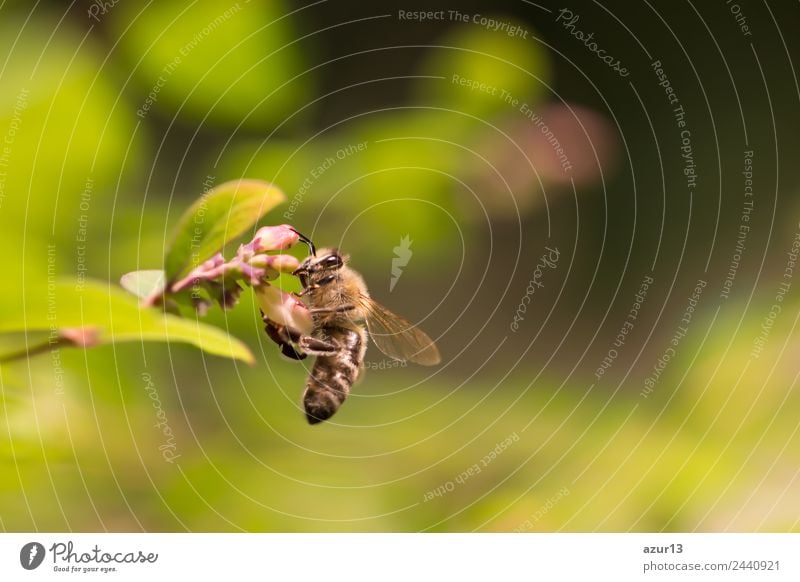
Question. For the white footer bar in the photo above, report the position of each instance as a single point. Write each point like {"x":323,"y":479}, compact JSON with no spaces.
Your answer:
{"x":379,"y":557}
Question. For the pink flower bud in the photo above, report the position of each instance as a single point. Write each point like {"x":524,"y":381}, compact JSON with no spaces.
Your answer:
{"x":284,"y":308}
{"x":81,"y":337}
{"x":274,"y":264}
{"x":283,"y":263}
{"x":274,"y":238}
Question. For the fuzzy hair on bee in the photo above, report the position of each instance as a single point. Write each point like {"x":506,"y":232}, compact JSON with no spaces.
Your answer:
{"x":344,"y":317}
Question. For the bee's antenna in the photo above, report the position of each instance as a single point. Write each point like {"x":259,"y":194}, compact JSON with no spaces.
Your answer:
{"x":306,"y":240}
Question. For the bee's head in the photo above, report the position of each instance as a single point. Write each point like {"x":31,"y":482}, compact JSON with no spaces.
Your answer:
{"x":320,"y":269}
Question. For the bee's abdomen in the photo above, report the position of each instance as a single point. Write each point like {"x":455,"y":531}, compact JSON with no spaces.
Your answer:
{"x":332,"y":376}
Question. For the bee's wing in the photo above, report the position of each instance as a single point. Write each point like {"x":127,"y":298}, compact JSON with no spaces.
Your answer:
{"x":398,"y":338}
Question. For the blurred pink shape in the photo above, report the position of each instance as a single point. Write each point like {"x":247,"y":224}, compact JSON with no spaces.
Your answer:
{"x":81,"y":337}
{"x":284,"y":308}
{"x":586,"y":138}
{"x":543,"y":147}
{"x":274,"y":238}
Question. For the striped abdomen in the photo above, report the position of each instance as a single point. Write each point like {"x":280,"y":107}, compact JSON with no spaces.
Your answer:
{"x":332,"y":376}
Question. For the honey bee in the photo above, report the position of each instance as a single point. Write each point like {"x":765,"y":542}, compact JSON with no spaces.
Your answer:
{"x":341,"y":306}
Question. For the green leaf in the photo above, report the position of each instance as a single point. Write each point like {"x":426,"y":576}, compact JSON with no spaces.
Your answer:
{"x":144,"y":284}
{"x":222,"y":214}
{"x":109,"y":315}
{"x":227,"y":64}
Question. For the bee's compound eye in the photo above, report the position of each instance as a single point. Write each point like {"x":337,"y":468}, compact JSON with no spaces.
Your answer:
{"x":327,"y":279}
{"x":332,"y":261}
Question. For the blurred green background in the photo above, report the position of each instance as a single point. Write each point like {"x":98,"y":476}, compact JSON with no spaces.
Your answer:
{"x":379,"y":125}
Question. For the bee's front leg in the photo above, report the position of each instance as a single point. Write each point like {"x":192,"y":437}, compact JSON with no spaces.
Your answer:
{"x":318,"y":347}
{"x":285,"y":337}
{"x":330,"y":310}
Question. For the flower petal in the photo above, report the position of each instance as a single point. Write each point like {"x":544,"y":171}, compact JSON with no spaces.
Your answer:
{"x":284,"y":308}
